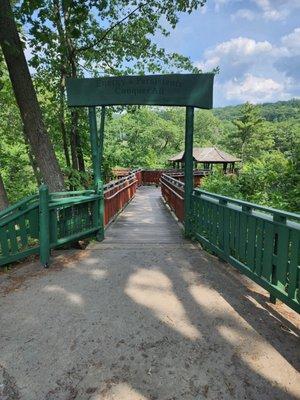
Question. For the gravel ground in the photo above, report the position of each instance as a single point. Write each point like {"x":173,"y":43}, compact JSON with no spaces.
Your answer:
{"x":143,"y":315}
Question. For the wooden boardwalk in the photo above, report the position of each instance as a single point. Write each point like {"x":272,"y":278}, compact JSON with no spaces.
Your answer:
{"x":144,"y":315}
{"x":146,"y":220}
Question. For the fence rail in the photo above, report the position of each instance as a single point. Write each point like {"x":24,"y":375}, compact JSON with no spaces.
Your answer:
{"x":262,"y":242}
{"x":173,"y":192}
{"x":153,"y":177}
{"x":48,"y":220}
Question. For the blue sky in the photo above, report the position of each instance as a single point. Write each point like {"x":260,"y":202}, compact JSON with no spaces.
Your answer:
{"x":256,"y":44}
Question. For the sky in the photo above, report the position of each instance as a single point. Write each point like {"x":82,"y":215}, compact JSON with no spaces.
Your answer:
{"x":256,"y":44}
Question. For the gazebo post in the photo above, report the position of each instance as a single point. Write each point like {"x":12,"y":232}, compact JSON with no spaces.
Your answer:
{"x":188,"y":169}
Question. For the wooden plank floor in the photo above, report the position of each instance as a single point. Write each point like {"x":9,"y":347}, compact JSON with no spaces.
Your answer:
{"x":144,"y":315}
{"x":145,"y":220}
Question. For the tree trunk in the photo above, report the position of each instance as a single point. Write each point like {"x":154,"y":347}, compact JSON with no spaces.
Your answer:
{"x":62,"y":82}
{"x":32,"y":160}
{"x":27,"y":100}
{"x":73,"y":137}
{"x":62,"y":117}
{"x":3,"y":195}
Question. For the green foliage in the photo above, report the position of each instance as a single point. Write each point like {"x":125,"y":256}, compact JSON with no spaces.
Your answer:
{"x":227,"y":185}
{"x":273,"y":112}
{"x":15,"y":165}
{"x":271,"y":180}
{"x":141,"y":138}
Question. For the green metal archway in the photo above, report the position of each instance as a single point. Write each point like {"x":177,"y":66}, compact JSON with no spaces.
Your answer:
{"x":185,"y":90}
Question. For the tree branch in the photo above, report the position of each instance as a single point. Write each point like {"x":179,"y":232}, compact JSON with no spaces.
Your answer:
{"x":107,"y":32}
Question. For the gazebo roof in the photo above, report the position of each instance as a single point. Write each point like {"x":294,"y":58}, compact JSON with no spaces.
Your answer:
{"x":207,"y":155}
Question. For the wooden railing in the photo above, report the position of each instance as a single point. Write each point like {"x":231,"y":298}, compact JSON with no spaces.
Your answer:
{"x":48,"y":220}
{"x":118,"y":193}
{"x":262,"y":242}
{"x":152,"y":177}
{"x":173,"y":192}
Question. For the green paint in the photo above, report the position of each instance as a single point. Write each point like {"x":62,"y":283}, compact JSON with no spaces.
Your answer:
{"x":101,"y":135}
{"x":188,"y":170}
{"x":249,"y":241}
{"x":44,"y":225}
{"x":94,"y":144}
{"x":164,"y":90}
{"x":97,"y":154}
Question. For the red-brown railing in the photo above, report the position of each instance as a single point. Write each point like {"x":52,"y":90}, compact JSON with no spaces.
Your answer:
{"x":152,"y":177}
{"x":173,"y":192}
{"x":118,"y":193}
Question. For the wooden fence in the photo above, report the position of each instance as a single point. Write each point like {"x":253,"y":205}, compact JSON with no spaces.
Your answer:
{"x":262,"y":242}
{"x":48,"y":220}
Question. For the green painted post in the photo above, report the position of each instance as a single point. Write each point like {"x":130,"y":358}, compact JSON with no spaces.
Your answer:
{"x":100,"y":235}
{"x":101,"y":136}
{"x":94,"y":144}
{"x":188,"y":170}
{"x":97,"y":149}
{"x":44,"y":231}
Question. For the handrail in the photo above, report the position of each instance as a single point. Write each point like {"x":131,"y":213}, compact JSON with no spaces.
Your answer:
{"x":119,"y":191}
{"x":42,"y":222}
{"x":243,"y":203}
{"x":17,"y":205}
{"x":262,"y":242}
{"x":173,"y":180}
{"x":13,"y":217}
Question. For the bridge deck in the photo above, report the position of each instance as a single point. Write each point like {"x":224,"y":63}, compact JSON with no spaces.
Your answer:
{"x":143,"y":315}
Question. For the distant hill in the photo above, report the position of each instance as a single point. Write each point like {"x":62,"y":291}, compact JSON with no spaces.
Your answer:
{"x":279,"y":111}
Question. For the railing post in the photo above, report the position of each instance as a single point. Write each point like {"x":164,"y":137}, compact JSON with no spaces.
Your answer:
{"x":274,"y":278}
{"x":188,"y":170}
{"x":44,"y":226}
{"x":225,"y":228}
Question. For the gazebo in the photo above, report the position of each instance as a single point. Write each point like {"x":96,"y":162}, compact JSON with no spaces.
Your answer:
{"x":206,"y":156}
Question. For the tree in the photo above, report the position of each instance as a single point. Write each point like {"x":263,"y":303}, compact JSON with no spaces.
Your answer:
{"x":141,"y":138}
{"x":3,"y":195}
{"x":248,"y":125}
{"x":72,"y":38}
{"x":24,"y":91}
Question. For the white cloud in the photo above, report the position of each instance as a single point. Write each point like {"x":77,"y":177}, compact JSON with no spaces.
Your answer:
{"x":276,"y":10}
{"x":237,"y":52}
{"x":292,"y":41}
{"x":255,"y":71}
{"x":269,"y":10}
{"x":243,"y":13}
{"x":255,"y":89}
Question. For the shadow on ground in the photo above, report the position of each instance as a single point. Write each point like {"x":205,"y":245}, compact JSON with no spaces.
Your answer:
{"x":145,"y":315}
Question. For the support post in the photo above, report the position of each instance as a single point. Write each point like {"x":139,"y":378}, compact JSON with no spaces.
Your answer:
{"x":44,"y":226}
{"x":94,"y":144}
{"x":101,"y":138}
{"x":188,"y":169}
{"x":96,"y":158}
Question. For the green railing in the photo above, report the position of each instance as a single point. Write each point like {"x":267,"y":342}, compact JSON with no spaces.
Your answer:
{"x":42,"y":222}
{"x":19,"y":230}
{"x":263,"y":243}
{"x":45,"y":221}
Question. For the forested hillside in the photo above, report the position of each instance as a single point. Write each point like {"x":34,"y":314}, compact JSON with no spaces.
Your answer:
{"x":279,"y":111}
{"x":147,"y":136}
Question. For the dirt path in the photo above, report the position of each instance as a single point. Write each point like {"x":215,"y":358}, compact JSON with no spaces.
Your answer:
{"x":143,"y":315}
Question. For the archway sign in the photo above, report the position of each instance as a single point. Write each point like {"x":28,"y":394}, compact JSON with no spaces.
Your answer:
{"x":188,"y":90}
